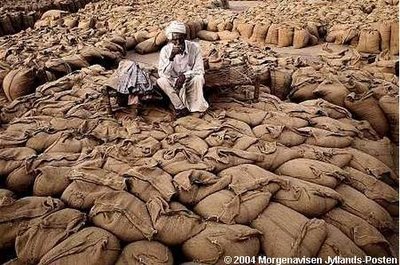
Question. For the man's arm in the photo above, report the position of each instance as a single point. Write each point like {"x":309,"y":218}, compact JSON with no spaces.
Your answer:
{"x":198,"y":67}
{"x":164,"y":64}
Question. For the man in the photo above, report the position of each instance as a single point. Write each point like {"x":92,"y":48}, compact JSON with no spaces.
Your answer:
{"x":181,"y":71}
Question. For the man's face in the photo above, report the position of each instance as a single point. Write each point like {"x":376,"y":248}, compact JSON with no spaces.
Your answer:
{"x":178,"y":39}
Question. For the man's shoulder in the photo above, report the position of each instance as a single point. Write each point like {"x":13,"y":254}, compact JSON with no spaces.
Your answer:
{"x":166,"y":47}
{"x":193,"y":45}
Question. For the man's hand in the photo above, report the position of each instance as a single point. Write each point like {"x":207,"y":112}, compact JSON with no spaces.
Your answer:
{"x":180,"y":81}
{"x":175,"y":50}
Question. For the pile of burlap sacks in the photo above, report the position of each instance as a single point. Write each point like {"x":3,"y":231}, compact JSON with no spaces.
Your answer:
{"x":246,"y":178}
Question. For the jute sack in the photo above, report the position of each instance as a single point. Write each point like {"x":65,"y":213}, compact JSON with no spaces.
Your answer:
{"x":382,"y":149}
{"x":374,"y":189}
{"x":14,"y":262}
{"x":245,"y":30}
{"x":194,"y":185}
{"x":273,"y":153}
{"x":122,"y":214}
{"x":220,"y":158}
{"x":219,"y":240}
{"x":230,"y":138}
{"x":334,"y":125}
{"x":228,"y":35}
{"x":358,"y":204}
{"x":313,"y":171}
{"x":324,"y":138}
{"x":190,"y":141}
{"x":88,"y":184}
{"x":384,"y":29}
{"x":298,"y":236}
{"x":369,"y":41}
{"x":372,"y":166}
{"x":272,"y":34}
{"x":212,"y":24}
{"x":333,"y":111}
{"x":19,"y":213}
{"x":20,"y":180}
{"x":338,"y":244}
{"x":42,"y":234}
{"x":285,"y":36}
{"x":364,"y":235}
{"x":364,"y":127}
{"x":281,"y":134}
{"x":177,"y":159}
{"x":174,"y":223}
{"x":196,"y":126}
{"x":281,"y":118}
{"x":301,"y":38}
{"x":366,"y":107}
{"x":76,"y":61}
{"x":394,"y":38}
{"x":304,"y":81}
{"x":7,"y":197}
{"x":307,"y":198}
{"x":332,"y":91}
{"x":69,"y":143}
{"x":259,"y":33}
{"x":91,"y":245}
{"x":52,"y":159}
{"x":390,"y":106}
{"x":147,"y":46}
{"x":252,"y":117}
{"x":238,"y":126}
{"x":208,"y":35}
{"x":334,"y":156}
{"x":145,"y":252}
{"x":13,"y":158}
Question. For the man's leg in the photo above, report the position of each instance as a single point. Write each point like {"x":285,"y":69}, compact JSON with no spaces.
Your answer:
{"x":192,"y":94}
{"x":168,"y":89}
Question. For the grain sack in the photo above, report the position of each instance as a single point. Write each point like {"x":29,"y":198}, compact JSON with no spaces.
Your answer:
{"x":272,"y":34}
{"x":174,"y":223}
{"x":193,"y":142}
{"x":89,"y":246}
{"x":245,"y":30}
{"x":273,"y":153}
{"x":178,"y":159}
{"x":7,"y":197}
{"x":220,"y":158}
{"x":280,"y":82}
{"x":122,"y":214}
{"x":88,"y":184}
{"x":42,"y":234}
{"x":298,"y":236}
{"x":208,"y":35}
{"x":358,"y":204}
{"x":313,"y":171}
{"x":394,"y":38}
{"x":196,"y":126}
{"x":194,"y":185}
{"x":252,"y":117}
{"x":19,"y":82}
{"x":281,"y":134}
{"x":307,"y":198}
{"x":374,"y":189}
{"x":131,"y":149}
{"x":146,"y":182}
{"x":259,"y":33}
{"x":324,"y":138}
{"x":332,"y":91}
{"x":14,"y":157}
{"x":20,"y":213}
{"x":147,"y":46}
{"x":219,"y":240}
{"x":364,"y":127}
{"x":338,"y":244}
{"x":230,"y":138}
{"x":20,"y":180}
{"x":42,"y":140}
{"x":52,"y":159}
{"x":334,"y":156}
{"x":301,"y":38}
{"x":228,"y":35}
{"x":145,"y":252}
{"x":281,"y":118}
{"x":364,"y":235}
{"x":285,"y":36}
{"x":238,"y":126}
{"x":384,"y":31}
{"x":366,"y":107}
{"x":69,"y":143}
{"x":382,"y":149}
{"x":334,"y":125}
{"x":333,"y":111}
{"x":212,"y":24}
{"x":304,"y":81}
{"x":390,"y":106}
{"x":76,"y":61}
{"x":369,"y":41}
{"x":372,"y":166}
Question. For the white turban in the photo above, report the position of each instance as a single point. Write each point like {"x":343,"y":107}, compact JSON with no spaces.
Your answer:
{"x":175,"y":27}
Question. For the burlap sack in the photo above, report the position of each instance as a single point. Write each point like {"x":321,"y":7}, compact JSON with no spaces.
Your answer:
{"x":42,"y":234}
{"x":7,"y":197}
{"x":193,"y":142}
{"x":19,"y":82}
{"x":245,"y":30}
{"x":208,"y":35}
{"x":13,"y":158}
{"x":285,"y":36}
{"x":281,"y":79}
{"x":69,"y":143}
{"x":19,"y":213}
{"x":146,"y":182}
{"x":272,"y":34}
{"x":233,"y":240}
{"x":230,"y":138}
{"x":369,"y":41}
{"x":325,"y":138}
{"x":122,"y":214}
{"x":394,"y":38}
{"x":76,"y":61}
{"x":313,"y":171}
{"x":228,"y":35}
{"x":220,"y":158}
{"x":281,"y":118}
{"x":238,"y":126}
{"x":332,"y":91}
{"x":298,"y":236}
{"x":301,"y":38}
{"x":384,"y":31}
{"x":259,"y":33}
{"x":147,"y":46}
{"x":334,"y":125}
{"x":333,"y":111}
{"x":304,"y":81}
{"x":252,"y":117}
{"x":145,"y":252}
{"x":338,"y":244}
{"x":376,"y":190}
{"x":51,"y":181}
{"x":358,"y":204}
{"x":334,"y":156}
{"x":174,"y":223}
{"x":196,"y":126}
{"x":366,"y":107}
{"x":20,"y":180}
{"x":307,"y":198}
{"x":281,"y":134}
{"x":364,"y":127}
{"x":88,"y":184}
{"x":194,"y":185}
{"x":364,"y":235}
{"x":382,"y":149}
{"x":91,"y":245}
{"x":390,"y":106}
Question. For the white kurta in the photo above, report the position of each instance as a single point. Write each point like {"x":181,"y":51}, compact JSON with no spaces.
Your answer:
{"x":190,"y":63}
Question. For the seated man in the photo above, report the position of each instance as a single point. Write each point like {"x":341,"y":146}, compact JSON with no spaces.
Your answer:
{"x":181,"y":71}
